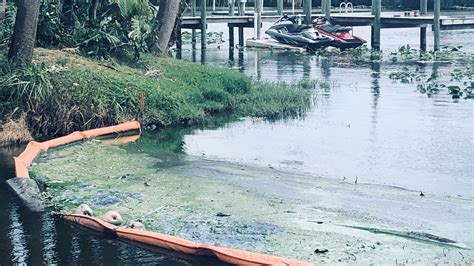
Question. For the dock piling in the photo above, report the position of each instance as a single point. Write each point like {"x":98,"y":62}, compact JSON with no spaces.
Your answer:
{"x":203,"y":25}
{"x":327,"y":9}
{"x":307,"y":11}
{"x":258,"y":18}
{"x":423,"y":12}
{"x":231,"y":37}
{"x":280,"y":7}
{"x":241,"y":12}
{"x":436,"y":24}
{"x":193,"y":31}
{"x":376,"y":10}
{"x":231,"y":7}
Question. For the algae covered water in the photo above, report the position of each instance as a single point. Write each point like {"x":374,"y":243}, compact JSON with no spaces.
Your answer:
{"x":40,"y":238}
{"x":255,"y":208}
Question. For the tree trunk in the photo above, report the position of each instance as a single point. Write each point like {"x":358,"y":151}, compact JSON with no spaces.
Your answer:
{"x":166,"y":18}
{"x":177,"y":25}
{"x":3,"y":8}
{"x":24,"y":32}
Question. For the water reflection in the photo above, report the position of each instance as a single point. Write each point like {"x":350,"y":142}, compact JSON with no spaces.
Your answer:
{"x":399,"y":139}
{"x":17,"y":237}
{"x":40,"y":238}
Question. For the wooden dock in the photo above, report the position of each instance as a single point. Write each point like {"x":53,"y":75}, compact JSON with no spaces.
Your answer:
{"x":388,"y":20}
{"x":376,"y":19}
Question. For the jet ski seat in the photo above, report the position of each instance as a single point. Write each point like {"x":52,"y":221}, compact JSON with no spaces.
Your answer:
{"x":333,"y":28}
{"x":294,"y":28}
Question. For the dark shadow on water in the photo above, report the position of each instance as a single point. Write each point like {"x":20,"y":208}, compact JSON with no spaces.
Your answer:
{"x":40,"y":238}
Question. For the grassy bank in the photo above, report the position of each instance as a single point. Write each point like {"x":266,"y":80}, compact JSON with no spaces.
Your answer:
{"x":63,"y":92}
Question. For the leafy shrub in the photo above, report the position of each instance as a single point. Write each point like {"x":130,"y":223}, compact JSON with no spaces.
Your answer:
{"x":122,"y":27}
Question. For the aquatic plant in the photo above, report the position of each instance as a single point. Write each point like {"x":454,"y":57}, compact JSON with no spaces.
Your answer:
{"x":460,"y":83}
{"x":212,"y":37}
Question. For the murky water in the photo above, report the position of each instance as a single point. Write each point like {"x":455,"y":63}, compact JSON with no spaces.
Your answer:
{"x":39,"y":238}
{"x":363,"y":125}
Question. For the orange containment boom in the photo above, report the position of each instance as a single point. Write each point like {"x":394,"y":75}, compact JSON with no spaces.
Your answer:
{"x":149,"y":238}
{"x":34,"y":148}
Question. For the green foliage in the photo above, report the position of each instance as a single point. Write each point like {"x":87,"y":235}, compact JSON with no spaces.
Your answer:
{"x":121,"y":27}
{"x":68,"y":92}
{"x":6,"y":25}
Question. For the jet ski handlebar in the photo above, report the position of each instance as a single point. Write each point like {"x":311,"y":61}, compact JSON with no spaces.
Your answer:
{"x":293,"y":19}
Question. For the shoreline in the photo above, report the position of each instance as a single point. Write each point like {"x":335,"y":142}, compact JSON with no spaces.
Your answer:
{"x":63,"y":92}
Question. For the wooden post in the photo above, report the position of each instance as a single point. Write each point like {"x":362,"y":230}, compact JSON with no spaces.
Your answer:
{"x":258,"y":18}
{"x":203,"y":25}
{"x":327,"y":11}
{"x":213,"y":5}
{"x":179,"y":40}
{"x":280,"y":7}
{"x":203,"y":56}
{"x":436,"y":24}
{"x":423,"y":7}
{"x":376,"y":10}
{"x":241,"y":13}
{"x":241,"y":36}
{"x":323,"y":6}
{"x":307,"y":11}
{"x":231,"y":37}
{"x":231,"y":7}
{"x":193,"y":31}
{"x":423,"y":11}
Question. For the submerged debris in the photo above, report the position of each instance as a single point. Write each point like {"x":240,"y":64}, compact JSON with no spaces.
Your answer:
{"x":112,"y":217}
{"x":84,"y":209}
{"x":320,"y":250}
{"x":137,"y":225}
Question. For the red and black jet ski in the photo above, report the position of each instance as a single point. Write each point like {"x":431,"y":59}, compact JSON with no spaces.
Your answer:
{"x":342,"y":36}
{"x":287,"y":30}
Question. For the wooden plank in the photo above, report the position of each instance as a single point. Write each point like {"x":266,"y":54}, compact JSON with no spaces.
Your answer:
{"x":457,"y":27}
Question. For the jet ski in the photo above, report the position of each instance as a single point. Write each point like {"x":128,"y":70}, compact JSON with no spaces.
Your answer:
{"x":342,"y":37}
{"x":288,"y":30}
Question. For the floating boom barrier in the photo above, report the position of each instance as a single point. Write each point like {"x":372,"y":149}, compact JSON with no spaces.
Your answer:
{"x":28,"y":190}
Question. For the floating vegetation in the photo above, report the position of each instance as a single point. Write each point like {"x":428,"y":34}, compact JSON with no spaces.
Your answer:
{"x":212,"y":37}
{"x":404,"y":55}
{"x":458,"y":83}
{"x":418,"y":236}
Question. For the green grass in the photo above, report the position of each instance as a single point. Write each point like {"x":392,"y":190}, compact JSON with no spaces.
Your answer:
{"x":62,"y":92}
